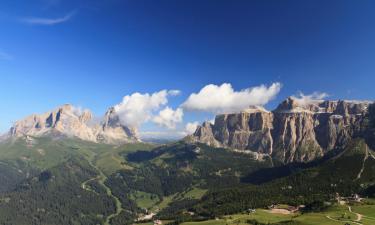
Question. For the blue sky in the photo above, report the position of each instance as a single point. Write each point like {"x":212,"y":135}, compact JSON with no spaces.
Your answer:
{"x":91,"y":53}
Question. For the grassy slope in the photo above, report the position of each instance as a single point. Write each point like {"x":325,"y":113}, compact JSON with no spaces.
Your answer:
{"x":320,"y":218}
{"x":113,"y":160}
{"x":210,"y":168}
{"x":46,"y":153}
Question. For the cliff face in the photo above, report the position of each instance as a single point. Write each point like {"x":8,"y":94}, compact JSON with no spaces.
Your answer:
{"x":294,"y":131}
{"x":112,"y":131}
{"x":68,"y":121}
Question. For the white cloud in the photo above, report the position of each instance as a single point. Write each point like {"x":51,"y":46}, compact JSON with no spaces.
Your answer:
{"x":168,"y":117}
{"x":174,"y":92}
{"x":223,"y":98}
{"x":191,"y":127}
{"x":139,"y":108}
{"x":48,"y":21}
{"x":302,"y":99}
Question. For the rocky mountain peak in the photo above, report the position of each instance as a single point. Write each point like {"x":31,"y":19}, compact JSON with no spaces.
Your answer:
{"x":70,"y":121}
{"x":295,"y":105}
{"x":253,"y":109}
{"x":297,"y":130}
{"x":112,"y":129}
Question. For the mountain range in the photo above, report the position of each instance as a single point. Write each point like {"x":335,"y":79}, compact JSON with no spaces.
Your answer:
{"x":66,"y":167}
{"x":296,"y":131}
{"x":69,"y":121}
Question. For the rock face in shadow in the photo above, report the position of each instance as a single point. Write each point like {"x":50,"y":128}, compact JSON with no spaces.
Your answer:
{"x":69,"y":121}
{"x":296,"y":131}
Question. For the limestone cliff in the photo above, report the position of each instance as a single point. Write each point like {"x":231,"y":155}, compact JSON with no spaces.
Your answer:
{"x":294,"y":131}
{"x":69,"y":121}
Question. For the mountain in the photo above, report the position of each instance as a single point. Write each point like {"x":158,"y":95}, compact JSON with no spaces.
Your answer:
{"x":296,"y":131}
{"x":351,"y":171}
{"x":79,"y":179}
{"x":69,"y":121}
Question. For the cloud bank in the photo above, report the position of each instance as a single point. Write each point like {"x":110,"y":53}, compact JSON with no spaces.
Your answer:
{"x":138,"y":108}
{"x":168,"y":117}
{"x":223,"y":98}
{"x":302,"y":99}
{"x":191,"y":127}
{"x":48,"y":21}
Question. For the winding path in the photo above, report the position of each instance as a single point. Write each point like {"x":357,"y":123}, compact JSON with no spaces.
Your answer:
{"x":359,"y":216}
{"x":343,"y":221}
{"x":363,"y":164}
{"x":101,"y":180}
{"x":370,"y":153}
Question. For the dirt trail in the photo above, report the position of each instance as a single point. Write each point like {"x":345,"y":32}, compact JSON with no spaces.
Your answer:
{"x":371,"y":153}
{"x":343,"y":221}
{"x":359,"y":216}
{"x":363,"y":163}
{"x":84,"y":184}
{"x":101,"y":180}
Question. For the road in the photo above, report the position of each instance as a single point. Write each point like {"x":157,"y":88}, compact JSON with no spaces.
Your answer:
{"x":359,"y":216}
{"x":101,"y":178}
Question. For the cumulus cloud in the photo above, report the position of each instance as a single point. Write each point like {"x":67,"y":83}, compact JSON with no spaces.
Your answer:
{"x":223,"y":98}
{"x":168,"y":117}
{"x":48,"y":21}
{"x":138,"y":108}
{"x":302,"y":99}
{"x":191,"y":127}
{"x":174,"y":92}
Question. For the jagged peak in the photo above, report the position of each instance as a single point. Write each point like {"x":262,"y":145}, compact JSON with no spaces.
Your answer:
{"x":71,"y":121}
{"x":298,"y":105}
{"x":254,"y":109}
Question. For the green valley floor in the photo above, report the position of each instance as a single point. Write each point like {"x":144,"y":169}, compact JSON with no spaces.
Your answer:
{"x":354,"y":214}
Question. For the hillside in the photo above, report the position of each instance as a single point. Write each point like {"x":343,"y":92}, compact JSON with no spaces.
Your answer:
{"x":60,"y":181}
{"x":66,"y":180}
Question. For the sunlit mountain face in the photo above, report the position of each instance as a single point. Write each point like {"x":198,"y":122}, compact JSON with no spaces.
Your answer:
{"x":187,"y":112}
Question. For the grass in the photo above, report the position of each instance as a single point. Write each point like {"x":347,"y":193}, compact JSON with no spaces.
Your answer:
{"x":45,"y":152}
{"x":113,"y":160}
{"x":145,"y":200}
{"x":194,"y":193}
{"x":165,"y":202}
{"x":335,"y":213}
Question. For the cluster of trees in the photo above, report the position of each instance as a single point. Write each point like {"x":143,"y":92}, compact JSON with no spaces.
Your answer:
{"x":310,"y":186}
{"x":175,"y":168}
{"x":124,"y":218}
{"x":55,"y":197}
{"x":11,"y":176}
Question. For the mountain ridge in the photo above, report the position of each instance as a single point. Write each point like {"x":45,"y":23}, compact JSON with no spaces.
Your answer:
{"x":69,"y":121}
{"x":296,"y":131}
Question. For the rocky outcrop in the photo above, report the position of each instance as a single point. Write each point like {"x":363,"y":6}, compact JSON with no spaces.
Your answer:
{"x":69,"y":121}
{"x":112,"y":131}
{"x":296,"y":131}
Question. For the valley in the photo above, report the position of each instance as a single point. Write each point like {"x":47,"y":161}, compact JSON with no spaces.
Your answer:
{"x":162,"y":112}
{"x":334,"y":215}
{"x":56,"y":179}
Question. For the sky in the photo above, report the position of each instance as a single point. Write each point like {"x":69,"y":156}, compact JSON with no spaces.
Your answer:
{"x":167,"y":65}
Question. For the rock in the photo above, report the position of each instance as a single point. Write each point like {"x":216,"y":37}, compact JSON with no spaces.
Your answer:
{"x":112,"y":131}
{"x":69,"y":121}
{"x":295,"y":131}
